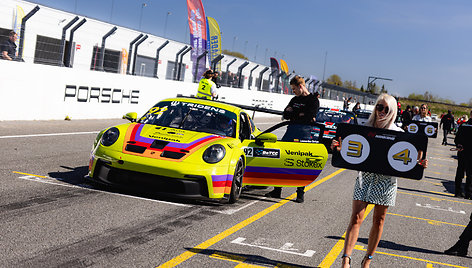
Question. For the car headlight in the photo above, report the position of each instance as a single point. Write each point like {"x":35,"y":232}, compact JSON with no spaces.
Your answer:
{"x":110,"y":136}
{"x":214,"y":154}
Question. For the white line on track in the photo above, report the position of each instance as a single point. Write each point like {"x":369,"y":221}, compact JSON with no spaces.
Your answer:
{"x":48,"y":134}
{"x":232,"y":211}
{"x":42,"y":180}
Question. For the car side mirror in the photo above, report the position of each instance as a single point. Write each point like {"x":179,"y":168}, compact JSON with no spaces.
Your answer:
{"x":131,"y":116}
{"x":266,"y":138}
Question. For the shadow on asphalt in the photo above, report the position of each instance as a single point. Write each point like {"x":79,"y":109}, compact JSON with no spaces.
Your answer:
{"x":393,"y":246}
{"x":424,"y":192}
{"x":244,"y":258}
{"x":75,"y":176}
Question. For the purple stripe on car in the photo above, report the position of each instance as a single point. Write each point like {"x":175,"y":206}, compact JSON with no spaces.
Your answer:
{"x":283,"y":170}
{"x":226,"y":177}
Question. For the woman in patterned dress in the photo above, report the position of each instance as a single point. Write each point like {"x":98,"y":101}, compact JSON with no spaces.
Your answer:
{"x":371,"y":188}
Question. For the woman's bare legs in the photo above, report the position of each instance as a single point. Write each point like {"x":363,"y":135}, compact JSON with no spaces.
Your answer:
{"x":357,"y":216}
{"x":380,"y":212}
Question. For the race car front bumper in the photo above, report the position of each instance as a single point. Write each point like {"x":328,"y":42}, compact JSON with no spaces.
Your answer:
{"x":194,"y":187}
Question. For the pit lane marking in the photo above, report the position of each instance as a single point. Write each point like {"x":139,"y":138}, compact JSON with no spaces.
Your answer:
{"x":449,"y":209}
{"x":439,"y":173}
{"x":286,"y":248}
{"x":231,"y":211}
{"x":361,"y":248}
{"x":49,"y":180}
{"x":215,"y":239}
{"x":48,"y":134}
{"x":435,"y":198}
{"x":432,"y":222}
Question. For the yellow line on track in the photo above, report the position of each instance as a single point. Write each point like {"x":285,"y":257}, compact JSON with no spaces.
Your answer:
{"x":339,"y":246}
{"x":22,"y":173}
{"x":189,"y":254}
{"x":439,"y":173}
{"x":435,"y":198}
{"x":410,"y":258}
{"x":433,"y":222}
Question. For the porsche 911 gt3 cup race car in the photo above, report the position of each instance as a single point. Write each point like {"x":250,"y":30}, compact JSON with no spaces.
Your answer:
{"x":194,"y":148}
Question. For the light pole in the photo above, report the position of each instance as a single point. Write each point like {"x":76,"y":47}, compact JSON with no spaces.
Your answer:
{"x":234,"y":40}
{"x":245,"y":46}
{"x":371,"y":79}
{"x":141,"y":15}
{"x":111,"y":10}
{"x":165,"y":23}
{"x":255,"y":54}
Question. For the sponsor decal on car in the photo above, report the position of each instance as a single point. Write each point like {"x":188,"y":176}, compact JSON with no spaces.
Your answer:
{"x":261,"y":152}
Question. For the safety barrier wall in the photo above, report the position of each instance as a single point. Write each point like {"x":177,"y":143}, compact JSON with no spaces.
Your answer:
{"x":41,"y":92}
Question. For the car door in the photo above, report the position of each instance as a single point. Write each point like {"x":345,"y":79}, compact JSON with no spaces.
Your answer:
{"x":279,"y":163}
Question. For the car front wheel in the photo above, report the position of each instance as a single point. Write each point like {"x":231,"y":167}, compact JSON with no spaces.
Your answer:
{"x":237,"y":184}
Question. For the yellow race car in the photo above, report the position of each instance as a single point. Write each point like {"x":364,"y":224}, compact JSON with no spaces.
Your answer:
{"x":194,"y":148}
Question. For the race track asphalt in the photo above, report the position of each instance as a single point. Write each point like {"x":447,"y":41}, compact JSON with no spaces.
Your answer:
{"x":50,"y":217}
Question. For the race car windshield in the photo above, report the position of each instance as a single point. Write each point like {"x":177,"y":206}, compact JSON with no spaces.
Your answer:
{"x":192,"y":116}
{"x":334,"y":117}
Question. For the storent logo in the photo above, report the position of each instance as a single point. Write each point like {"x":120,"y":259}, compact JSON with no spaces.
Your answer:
{"x":289,"y":152}
{"x":100,"y":95}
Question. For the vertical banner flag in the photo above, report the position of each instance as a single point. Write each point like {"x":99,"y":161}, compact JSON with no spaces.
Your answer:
{"x":274,"y":66}
{"x":214,"y":42}
{"x":17,"y":18}
{"x":285,"y":82}
{"x":198,"y":33}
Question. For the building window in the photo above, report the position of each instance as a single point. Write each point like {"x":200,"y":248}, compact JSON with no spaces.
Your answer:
{"x":111,"y":61}
{"x":48,"y":51}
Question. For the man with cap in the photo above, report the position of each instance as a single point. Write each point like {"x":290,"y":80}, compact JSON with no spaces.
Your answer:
{"x":206,"y":87}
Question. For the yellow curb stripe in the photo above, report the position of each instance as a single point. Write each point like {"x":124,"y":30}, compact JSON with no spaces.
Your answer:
{"x":339,"y":246}
{"x":189,"y":254}
{"x":22,"y":173}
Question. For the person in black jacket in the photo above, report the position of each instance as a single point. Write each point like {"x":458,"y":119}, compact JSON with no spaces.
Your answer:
{"x":462,"y":246}
{"x":406,"y":117}
{"x":463,"y":143}
{"x":301,"y":110}
{"x":446,"y":122}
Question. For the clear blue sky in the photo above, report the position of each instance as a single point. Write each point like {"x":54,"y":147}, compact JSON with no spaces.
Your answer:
{"x":423,"y":45}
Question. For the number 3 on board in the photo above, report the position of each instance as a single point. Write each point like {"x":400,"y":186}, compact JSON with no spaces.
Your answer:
{"x":354,"y":148}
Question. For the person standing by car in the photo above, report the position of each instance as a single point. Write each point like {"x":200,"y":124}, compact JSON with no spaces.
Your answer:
{"x":423,"y":114}
{"x":356,"y":108}
{"x":206,"y":87}
{"x":372,"y":188}
{"x":464,"y":162}
{"x":301,"y":111}
{"x":9,"y":47}
{"x":446,"y":123}
{"x":406,"y":117}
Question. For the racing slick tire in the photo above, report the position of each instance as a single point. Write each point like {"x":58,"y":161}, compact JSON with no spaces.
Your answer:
{"x":237,"y":184}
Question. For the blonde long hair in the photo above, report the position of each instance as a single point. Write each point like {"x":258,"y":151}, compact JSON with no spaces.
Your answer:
{"x":389,"y":118}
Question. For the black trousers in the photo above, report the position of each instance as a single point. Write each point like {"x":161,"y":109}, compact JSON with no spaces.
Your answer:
{"x":464,"y":165}
{"x":445,"y":132}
